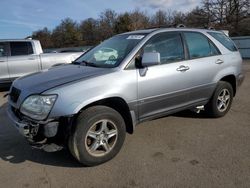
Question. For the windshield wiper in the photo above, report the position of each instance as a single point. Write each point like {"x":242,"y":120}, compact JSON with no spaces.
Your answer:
{"x":86,"y":63}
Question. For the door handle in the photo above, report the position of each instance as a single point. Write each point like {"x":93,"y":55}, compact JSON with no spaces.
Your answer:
{"x":1,"y":61}
{"x":31,"y":58}
{"x":182,"y":68}
{"x":219,"y":61}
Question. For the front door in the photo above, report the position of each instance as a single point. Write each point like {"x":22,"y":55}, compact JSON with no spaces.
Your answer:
{"x":163,"y":87}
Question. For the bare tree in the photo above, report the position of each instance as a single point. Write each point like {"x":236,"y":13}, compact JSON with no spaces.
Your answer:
{"x":123,"y":23}
{"x":139,"y":20}
{"x":89,"y":29}
{"x":226,"y":14}
{"x":66,"y":34}
{"x":162,"y":18}
{"x":197,"y":18}
{"x":233,"y":15}
{"x":178,"y":18}
{"x":107,"y":23}
{"x":44,"y":35}
{"x":207,"y":6}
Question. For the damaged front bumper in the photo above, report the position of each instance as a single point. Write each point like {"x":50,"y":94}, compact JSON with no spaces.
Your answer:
{"x":31,"y":129}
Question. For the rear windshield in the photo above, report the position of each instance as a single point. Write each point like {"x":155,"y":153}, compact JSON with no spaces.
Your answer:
{"x":224,"y":40}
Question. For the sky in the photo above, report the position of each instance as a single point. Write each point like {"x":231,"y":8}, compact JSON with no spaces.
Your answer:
{"x":19,"y":18}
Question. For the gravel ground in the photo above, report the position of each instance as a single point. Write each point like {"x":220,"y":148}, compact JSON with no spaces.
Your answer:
{"x":182,"y":150}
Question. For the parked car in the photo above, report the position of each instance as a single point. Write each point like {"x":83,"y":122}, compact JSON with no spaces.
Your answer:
{"x":91,"y":104}
{"x":22,"y":57}
{"x":106,"y":54}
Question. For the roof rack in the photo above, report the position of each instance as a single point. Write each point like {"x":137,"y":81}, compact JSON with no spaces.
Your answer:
{"x":167,"y":26}
{"x":211,"y":28}
{"x":178,"y":26}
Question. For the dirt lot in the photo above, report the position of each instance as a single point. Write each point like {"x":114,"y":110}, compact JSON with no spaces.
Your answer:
{"x":177,"y":151}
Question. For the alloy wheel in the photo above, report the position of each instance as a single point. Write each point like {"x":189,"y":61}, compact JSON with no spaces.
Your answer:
{"x":101,"y":138}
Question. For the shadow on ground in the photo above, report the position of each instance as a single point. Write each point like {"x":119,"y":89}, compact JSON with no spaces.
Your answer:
{"x":15,"y":149}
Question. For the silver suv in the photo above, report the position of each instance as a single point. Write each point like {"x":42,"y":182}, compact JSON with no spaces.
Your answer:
{"x":90,"y":104}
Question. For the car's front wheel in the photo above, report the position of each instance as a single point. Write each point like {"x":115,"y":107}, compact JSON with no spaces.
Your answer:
{"x":221,"y":100}
{"x":99,"y":135}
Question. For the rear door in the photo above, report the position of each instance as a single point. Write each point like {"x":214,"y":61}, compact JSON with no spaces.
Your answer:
{"x":22,"y":60}
{"x":4,"y":73}
{"x":205,"y":62}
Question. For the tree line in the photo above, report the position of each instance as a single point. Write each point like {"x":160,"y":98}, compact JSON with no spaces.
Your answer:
{"x":231,"y":15}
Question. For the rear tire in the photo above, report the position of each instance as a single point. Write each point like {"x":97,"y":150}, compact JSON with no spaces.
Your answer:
{"x":221,"y":101}
{"x":98,"y":137}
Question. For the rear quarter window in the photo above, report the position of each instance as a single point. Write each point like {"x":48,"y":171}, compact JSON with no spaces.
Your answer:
{"x":224,"y":40}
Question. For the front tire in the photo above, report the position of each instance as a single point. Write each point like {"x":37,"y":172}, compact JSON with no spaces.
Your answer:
{"x":99,"y":135}
{"x":221,"y":101}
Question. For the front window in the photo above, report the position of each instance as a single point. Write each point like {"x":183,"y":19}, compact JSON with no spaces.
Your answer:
{"x":169,"y":45}
{"x":111,"y":52}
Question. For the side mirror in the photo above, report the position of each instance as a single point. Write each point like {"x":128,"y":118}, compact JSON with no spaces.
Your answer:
{"x":150,"y":59}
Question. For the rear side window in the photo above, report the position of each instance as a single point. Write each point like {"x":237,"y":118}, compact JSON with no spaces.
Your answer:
{"x":169,"y":45}
{"x":224,"y":40}
{"x":199,"y":45}
{"x":20,"y":48}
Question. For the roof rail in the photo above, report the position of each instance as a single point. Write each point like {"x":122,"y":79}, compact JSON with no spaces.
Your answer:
{"x":159,"y":26}
{"x":180,"y":26}
{"x":211,"y":28}
{"x":167,"y":26}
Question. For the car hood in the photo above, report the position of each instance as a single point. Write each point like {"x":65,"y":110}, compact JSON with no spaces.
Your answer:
{"x":56,"y":76}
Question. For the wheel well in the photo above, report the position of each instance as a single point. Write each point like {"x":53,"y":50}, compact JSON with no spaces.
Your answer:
{"x":231,"y":80}
{"x":120,"y":106}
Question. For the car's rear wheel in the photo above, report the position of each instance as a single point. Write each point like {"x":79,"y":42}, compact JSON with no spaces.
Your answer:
{"x":221,"y":101}
{"x":99,"y":135}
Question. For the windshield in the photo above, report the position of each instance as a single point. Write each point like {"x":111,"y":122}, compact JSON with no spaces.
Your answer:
{"x":111,"y":52}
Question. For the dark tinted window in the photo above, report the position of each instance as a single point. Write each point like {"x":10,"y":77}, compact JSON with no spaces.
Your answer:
{"x":169,"y":45}
{"x":3,"y":49}
{"x":21,"y":48}
{"x":199,"y":46}
{"x":224,"y":40}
